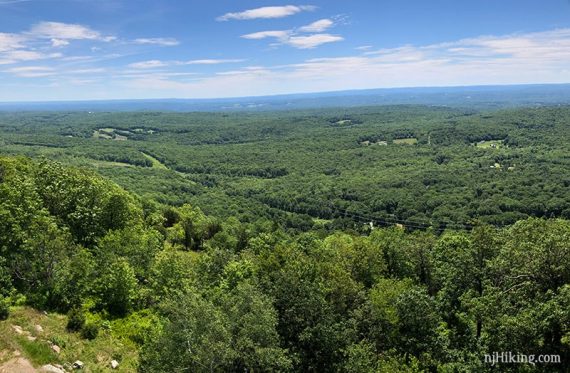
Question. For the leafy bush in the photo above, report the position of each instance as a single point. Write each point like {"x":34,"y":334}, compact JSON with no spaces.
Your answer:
{"x":76,"y":320}
{"x":59,"y":341}
{"x":4,"y":308}
{"x":90,"y":331}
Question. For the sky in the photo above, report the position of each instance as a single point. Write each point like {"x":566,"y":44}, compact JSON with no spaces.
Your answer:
{"x":127,"y":49}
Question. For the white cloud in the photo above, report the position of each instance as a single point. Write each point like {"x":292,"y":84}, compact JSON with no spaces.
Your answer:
{"x":165,"y":42}
{"x":287,"y":37}
{"x":212,"y":61}
{"x":22,"y":55}
{"x":95,"y":70}
{"x":56,"y":43}
{"x":267,"y":34}
{"x":318,"y":26}
{"x":249,"y":70}
{"x":540,"y":57}
{"x":364,"y":48}
{"x":267,"y":12}
{"x":31,"y":71}
{"x":512,"y":59}
{"x":8,"y":2}
{"x":83,"y":81}
{"x":26,"y":55}
{"x":152,"y":64}
{"x":312,"y":41}
{"x":78,"y":58}
{"x":66,"y":31}
{"x":10,"y":42}
{"x":297,"y":38}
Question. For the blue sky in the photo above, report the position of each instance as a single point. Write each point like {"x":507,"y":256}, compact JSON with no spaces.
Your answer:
{"x":113,"y":49}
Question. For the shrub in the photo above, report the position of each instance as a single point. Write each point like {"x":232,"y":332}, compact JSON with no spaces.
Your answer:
{"x":76,"y":319}
{"x":90,"y":331}
{"x":59,"y":341}
{"x":4,"y":308}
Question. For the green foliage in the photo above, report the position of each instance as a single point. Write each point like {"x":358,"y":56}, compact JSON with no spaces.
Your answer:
{"x":172,"y":271}
{"x":6,"y":286}
{"x":192,"y":229}
{"x":251,"y":249}
{"x":75,"y":319}
{"x":116,"y":287}
{"x":4,"y":308}
{"x":196,"y":338}
{"x":137,"y":244}
{"x":139,"y":327}
{"x":236,"y":332}
{"x":293,"y":167}
{"x":90,"y":330}
{"x":38,"y":353}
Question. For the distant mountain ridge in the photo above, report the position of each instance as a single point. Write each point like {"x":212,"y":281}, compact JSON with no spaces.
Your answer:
{"x":480,"y":97}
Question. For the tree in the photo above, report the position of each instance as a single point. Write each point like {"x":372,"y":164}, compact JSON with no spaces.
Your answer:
{"x":116,"y":287}
{"x":192,"y":229}
{"x":136,"y":244}
{"x":196,"y":337}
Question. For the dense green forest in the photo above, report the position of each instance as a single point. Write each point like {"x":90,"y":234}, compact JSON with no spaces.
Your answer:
{"x":242,"y":241}
{"x":419,"y":166}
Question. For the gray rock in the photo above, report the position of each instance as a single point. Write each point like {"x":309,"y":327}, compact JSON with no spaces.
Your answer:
{"x":51,"y":369}
{"x":78,"y":364}
{"x":56,"y":349}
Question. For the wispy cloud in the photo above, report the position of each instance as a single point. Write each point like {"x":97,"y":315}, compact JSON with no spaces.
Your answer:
{"x":26,"y":55}
{"x":318,"y":26}
{"x":297,"y":38}
{"x":540,"y":57}
{"x":267,"y":34}
{"x":94,"y":70}
{"x":31,"y":71}
{"x":152,"y":64}
{"x":35,"y":43}
{"x":294,"y":40}
{"x":165,"y":42}
{"x":312,"y":41}
{"x":267,"y":12}
{"x":56,"y":43}
{"x":66,"y":31}
{"x":8,"y":2}
{"x":10,"y":42}
{"x":212,"y":61}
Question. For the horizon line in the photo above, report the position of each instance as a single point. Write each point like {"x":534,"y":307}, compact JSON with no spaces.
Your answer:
{"x":285,"y":94}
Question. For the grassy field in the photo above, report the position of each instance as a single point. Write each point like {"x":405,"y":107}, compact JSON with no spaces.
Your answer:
{"x":155,"y":162}
{"x":410,"y":141}
{"x":496,"y":144}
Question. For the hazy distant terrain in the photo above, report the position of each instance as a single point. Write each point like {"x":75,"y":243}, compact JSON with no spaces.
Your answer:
{"x":481,"y":97}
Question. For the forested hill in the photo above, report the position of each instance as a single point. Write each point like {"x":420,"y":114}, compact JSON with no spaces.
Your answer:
{"x":333,"y":169}
{"x":171,"y":288}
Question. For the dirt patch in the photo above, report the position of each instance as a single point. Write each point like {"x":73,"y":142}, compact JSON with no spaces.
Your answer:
{"x":19,"y":365}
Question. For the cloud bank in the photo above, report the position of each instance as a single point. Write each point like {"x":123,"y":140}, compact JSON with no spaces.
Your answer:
{"x":540,"y":57}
